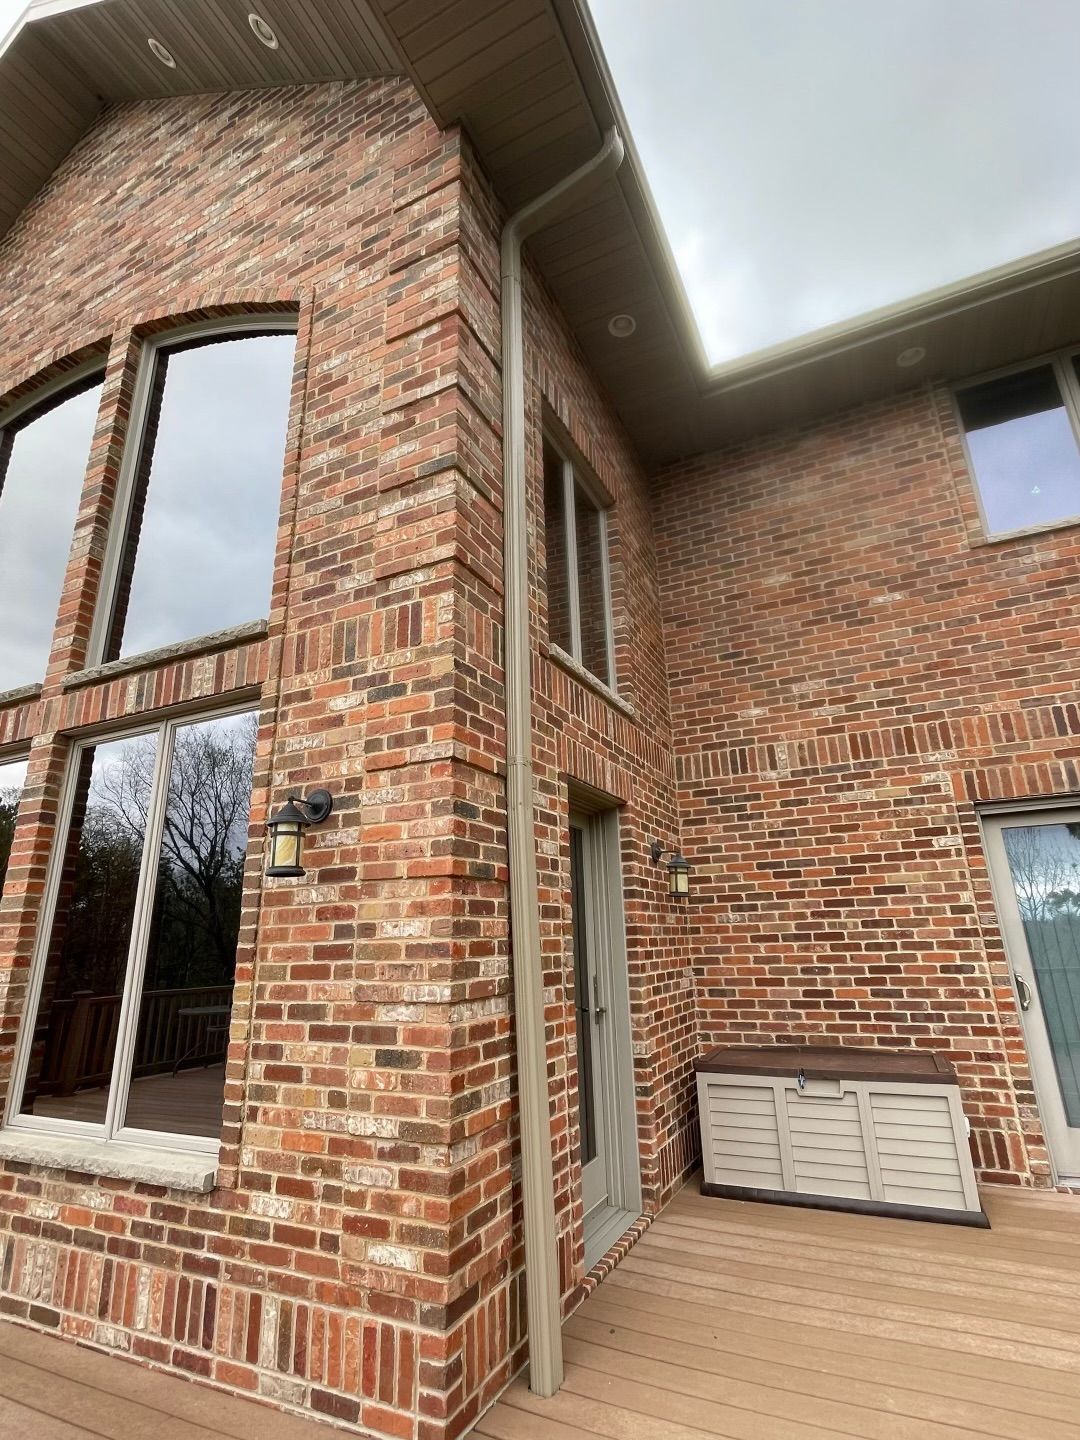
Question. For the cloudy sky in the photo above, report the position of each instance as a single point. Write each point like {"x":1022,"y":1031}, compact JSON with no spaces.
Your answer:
{"x":812,"y":159}
{"x":816,"y":158}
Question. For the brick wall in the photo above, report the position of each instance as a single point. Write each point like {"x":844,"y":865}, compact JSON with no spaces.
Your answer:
{"x":852,"y":671}
{"x":331,"y":1268}
{"x":361,"y":1255}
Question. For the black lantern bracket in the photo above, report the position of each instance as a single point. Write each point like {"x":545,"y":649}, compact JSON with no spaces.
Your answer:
{"x":678,"y":868}
{"x":286,"y":830}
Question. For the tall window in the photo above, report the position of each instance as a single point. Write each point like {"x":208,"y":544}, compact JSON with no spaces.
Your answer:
{"x":578,"y":567}
{"x":198,"y":547}
{"x":43,"y":455}
{"x":12,"y":778}
{"x":133,"y":984}
{"x":1023,"y":438}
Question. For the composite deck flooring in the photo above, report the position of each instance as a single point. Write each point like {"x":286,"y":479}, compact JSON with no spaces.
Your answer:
{"x":188,"y":1103}
{"x":726,"y":1319}
{"x":760,"y":1323}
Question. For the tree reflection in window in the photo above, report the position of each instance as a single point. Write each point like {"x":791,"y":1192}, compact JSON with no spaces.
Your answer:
{"x":12,"y":776}
{"x":156,"y":940}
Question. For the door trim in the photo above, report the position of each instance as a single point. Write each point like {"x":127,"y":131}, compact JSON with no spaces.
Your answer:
{"x":990,"y":817}
{"x":616,"y":1093}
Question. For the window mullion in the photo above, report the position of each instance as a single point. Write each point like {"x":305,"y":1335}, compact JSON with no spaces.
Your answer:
{"x":1070,"y":391}
{"x":128,"y":1024}
{"x":605,"y":581}
{"x":572,"y":591}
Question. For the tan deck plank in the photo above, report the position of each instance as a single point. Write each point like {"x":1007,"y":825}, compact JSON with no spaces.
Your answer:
{"x":1000,"y":1260}
{"x":986,"y":1333}
{"x":854,"y":1339}
{"x":914,"y":1368}
{"x":19,"y":1423}
{"x":601,"y":1405}
{"x":841,"y":1401}
{"x":116,"y":1417}
{"x":859,"y":1277}
{"x":507,"y":1422}
{"x":99,"y":1378}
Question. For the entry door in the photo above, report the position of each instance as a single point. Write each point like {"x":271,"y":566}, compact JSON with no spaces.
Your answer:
{"x":1035,"y":865}
{"x":590,"y":1013}
{"x":610,"y":1180}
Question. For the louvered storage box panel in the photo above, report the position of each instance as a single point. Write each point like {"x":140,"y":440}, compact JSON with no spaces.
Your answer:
{"x":856,"y":1129}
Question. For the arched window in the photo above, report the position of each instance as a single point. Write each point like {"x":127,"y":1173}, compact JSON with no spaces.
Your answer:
{"x":203,"y":491}
{"x":44,"y":448}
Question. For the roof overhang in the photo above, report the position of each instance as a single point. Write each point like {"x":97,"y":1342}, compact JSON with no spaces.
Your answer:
{"x":527,"y":79}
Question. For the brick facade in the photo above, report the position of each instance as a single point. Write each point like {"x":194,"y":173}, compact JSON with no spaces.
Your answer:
{"x":360,"y":1256}
{"x":853,"y":670}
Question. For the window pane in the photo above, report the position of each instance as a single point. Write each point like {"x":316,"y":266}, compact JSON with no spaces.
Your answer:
{"x":178,"y":1075}
{"x":558,"y":590}
{"x":12,"y":777}
{"x":79,"y":1010}
{"x":590,"y":548}
{"x":200,"y":544}
{"x":1023,"y":450}
{"x":40,"y":487}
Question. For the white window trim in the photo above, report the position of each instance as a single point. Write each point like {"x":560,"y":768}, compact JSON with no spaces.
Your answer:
{"x":574,"y":474}
{"x":109,"y":1133}
{"x":131,"y":461}
{"x":1069,"y":387}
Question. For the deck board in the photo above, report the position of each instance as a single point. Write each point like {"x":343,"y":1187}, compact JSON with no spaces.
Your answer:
{"x":757,"y":1322}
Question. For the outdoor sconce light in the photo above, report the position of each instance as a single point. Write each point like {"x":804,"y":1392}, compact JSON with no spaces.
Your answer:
{"x":286,"y":830}
{"x":678,"y":869}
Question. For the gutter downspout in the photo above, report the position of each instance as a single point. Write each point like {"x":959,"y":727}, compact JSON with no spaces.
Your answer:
{"x":534,"y":1107}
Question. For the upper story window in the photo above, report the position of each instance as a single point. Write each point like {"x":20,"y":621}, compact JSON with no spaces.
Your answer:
{"x":131,"y":985}
{"x":203,"y":495}
{"x":1022,"y":430}
{"x":43,"y":453}
{"x":12,"y":778}
{"x":578,"y":567}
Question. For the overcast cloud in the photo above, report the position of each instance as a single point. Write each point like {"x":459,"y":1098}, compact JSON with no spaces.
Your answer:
{"x":816,"y":158}
{"x":812,"y":159}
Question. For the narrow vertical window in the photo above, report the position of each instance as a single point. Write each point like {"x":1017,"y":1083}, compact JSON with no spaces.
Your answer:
{"x":12,"y":778}
{"x":578,"y":566}
{"x":198,"y":550}
{"x":134,"y":988}
{"x":43,"y":455}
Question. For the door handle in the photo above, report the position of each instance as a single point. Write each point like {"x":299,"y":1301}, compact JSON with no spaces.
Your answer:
{"x":599,"y":1011}
{"x":1023,"y":990}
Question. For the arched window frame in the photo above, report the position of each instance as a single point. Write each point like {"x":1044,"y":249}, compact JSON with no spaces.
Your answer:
{"x":131,"y":464}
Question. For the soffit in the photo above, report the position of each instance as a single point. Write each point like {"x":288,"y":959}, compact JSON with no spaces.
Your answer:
{"x":528,"y":80}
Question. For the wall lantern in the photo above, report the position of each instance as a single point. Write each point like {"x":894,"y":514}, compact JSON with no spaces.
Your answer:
{"x":678,"y":869}
{"x":286,"y":831}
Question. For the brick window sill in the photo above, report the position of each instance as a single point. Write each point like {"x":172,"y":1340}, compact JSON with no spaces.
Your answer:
{"x":183,"y":650}
{"x":116,"y":1159}
{"x":568,"y":663}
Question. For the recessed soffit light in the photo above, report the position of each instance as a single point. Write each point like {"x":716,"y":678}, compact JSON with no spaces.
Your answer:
{"x":621,"y":326}
{"x":262,"y":31}
{"x":160,"y":53}
{"x":911,"y":356}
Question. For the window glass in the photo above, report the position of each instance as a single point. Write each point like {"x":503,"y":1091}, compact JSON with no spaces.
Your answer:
{"x":43,"y":457}
{"x":576,"y":540}
{"x":589,"y":528}
{"x":179,"y":915}
{"x":12,"y":778}
{"x":1023,"y":449}
{"x":199,"y":549}
{"x":78,"y":1013}
{"x":558,"y":587}
{"x":178,"y":1076}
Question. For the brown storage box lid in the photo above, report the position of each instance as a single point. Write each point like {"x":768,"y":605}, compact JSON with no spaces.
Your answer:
{"x":829,"y":1062}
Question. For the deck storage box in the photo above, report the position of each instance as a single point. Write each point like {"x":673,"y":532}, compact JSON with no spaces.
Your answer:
{"x":880,"y":1131}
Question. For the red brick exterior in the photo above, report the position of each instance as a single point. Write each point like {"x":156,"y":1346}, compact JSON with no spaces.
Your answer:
{"x":852,"y":671}
{"x":360,"y":1257}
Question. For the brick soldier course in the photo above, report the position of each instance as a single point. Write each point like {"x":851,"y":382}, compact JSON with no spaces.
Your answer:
{"x":822,"y":669}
